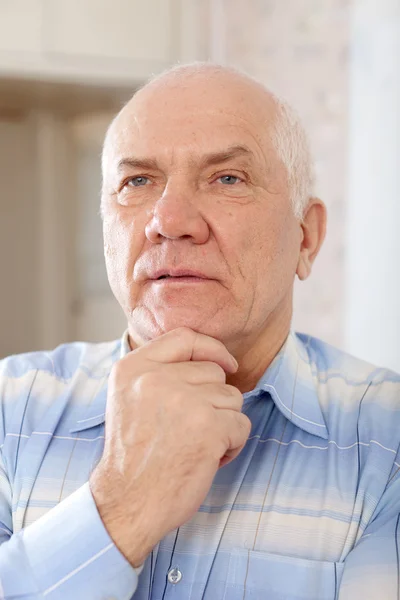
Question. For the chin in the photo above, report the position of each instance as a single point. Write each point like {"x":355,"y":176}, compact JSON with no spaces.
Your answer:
{"x":148,"y":327}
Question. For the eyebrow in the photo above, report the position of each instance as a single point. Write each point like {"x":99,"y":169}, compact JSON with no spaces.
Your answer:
{"x":207,"y":160}
{"x":230,"y":153}
{"x":137,"y":163}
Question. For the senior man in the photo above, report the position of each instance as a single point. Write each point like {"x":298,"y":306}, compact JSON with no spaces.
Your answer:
{"x":212,"y":453}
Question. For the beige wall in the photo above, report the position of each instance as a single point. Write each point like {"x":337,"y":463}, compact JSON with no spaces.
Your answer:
{"x":50,"y":229}
{"x":18,"y":234}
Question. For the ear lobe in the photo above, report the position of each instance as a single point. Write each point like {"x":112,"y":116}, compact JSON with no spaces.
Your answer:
{"x":303,"y":267}
{"x":314,"y":230}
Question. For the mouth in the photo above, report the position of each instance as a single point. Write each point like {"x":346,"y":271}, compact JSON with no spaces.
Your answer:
{"x":179,"y":279}
{"x":168,"y":277}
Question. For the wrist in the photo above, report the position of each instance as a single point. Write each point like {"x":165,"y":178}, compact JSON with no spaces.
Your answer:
{"x":127,"y":528}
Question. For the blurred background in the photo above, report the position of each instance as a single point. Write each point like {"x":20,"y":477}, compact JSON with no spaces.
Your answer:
{"x":66,"y":67}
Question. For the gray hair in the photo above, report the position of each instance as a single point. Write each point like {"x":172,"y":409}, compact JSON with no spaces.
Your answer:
{"x":291,"y":143}
{"x":287,"y":136}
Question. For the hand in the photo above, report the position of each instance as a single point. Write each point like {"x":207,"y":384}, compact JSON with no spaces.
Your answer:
{"x":171,"y":422}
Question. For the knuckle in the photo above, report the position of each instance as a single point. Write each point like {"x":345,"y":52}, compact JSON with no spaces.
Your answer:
{"x":223,"y":390}
{"x":117,"y":374}
{"x":144,"y":383}
{"x":245,"y":424}
{"x":217,"y":372}
{"x":235,"y":394}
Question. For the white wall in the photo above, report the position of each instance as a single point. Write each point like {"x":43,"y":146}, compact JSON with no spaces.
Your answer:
{"x":372,"y":319}
{"x":299,"y":49}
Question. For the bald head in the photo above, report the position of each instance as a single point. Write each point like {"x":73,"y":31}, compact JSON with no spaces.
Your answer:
{"x":201,"y":85}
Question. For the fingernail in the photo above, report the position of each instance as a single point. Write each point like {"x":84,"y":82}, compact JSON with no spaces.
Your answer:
{"x":234,"y":362}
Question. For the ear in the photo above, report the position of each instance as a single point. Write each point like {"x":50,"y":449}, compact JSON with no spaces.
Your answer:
{"x":313,"y":228}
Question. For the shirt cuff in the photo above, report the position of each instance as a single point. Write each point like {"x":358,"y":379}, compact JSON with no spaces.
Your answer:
{"x":72,"y":555}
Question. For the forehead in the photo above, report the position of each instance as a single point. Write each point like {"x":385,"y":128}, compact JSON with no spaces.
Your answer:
{"x":187,"y":120}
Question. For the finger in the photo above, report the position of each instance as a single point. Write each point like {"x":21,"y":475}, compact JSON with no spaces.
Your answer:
{"x":223,"y":396}
{"x":184,"y":344}
{"x":236,"y":428}
{"x":196,"y":372}
{"x":229,"y":456}
{"x":220,"y":395}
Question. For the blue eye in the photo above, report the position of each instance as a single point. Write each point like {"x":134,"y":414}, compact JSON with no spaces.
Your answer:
{"x":137,"y":181}
{"x":229,"y":179}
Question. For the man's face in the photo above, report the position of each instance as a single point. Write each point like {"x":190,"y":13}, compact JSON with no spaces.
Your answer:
{"x":198,"y":225}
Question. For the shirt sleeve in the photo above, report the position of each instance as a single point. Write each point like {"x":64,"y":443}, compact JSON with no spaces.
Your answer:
{"x":65,"y":554}
{"x":372,"y":568}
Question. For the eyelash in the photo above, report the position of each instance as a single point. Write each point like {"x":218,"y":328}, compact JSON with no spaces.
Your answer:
{"x":135,"y":177}
{"x":234,"y":175}
{"x":215,"y":177}
{"x":125,"y":184}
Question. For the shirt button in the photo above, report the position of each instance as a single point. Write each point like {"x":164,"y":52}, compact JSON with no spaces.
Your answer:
{"x":174,"y":575}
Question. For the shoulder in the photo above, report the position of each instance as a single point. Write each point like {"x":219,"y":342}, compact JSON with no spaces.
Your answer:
{"x":31,"y":382}
{"x":353,"y":392}
{"x":336,"y":362}
{"x":330,"y":364}
{"x":62,"y":362}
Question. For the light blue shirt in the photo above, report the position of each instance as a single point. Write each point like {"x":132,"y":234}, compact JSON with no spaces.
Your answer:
{"x":309,"y":510}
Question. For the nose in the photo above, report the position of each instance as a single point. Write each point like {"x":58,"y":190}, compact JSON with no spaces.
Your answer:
{"x":175,"y":215}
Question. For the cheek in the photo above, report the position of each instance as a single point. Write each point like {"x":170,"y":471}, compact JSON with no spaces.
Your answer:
{"x":241,"y":240}
{"x":269,"y":251}
{"x":122,"y":244}
{"x":283,"y":252}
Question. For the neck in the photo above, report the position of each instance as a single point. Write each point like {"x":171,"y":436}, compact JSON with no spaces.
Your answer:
{"x":256,"y":353}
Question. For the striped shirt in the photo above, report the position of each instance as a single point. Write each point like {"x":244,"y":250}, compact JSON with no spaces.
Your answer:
{"x":309,"y":510}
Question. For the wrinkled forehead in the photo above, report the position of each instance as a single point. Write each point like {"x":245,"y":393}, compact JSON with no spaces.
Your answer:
{"x":184,"y":120}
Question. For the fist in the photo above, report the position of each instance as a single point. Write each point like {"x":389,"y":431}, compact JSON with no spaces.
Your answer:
{"x":171,"y":422}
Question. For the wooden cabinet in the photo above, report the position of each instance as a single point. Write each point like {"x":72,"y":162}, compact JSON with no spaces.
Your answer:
{"x":21,"y":25}
{"x":126,"y":29}
{"x":97,"y":41}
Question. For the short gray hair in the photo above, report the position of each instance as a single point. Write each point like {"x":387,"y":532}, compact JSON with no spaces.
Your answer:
{"x":291,"y":143}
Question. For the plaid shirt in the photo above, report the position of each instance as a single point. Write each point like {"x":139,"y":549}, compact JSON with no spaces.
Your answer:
{"x":309,"y":510}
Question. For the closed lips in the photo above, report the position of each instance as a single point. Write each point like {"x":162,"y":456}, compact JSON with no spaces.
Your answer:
{"x":178,"y":274}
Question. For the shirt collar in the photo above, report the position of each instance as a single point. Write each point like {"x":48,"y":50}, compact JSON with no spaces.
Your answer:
{"x":288,"y":381}
{"x":125,"y":347}
{"x":94,"y":414}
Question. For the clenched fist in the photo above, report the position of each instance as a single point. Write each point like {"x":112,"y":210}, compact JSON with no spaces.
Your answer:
{"x":171,"y":422}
